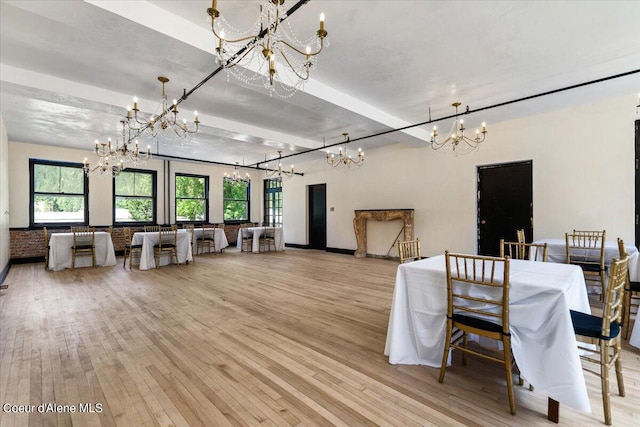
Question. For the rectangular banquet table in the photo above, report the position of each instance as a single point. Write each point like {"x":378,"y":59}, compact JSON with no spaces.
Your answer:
{"x":149,"y":238}
{"x":220,"y":239}
{"x":257,"y":231}
{"x":543,"y":339}
{"x":60,"y":251}
{"x":557,"y":252}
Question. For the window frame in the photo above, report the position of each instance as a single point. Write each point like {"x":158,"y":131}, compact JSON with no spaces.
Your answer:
{"x":85,"y":194}
{"x":154,"y":199}
{"x":206,"y":198}
{"x":270,"y":199}
{"x":248,"y":200}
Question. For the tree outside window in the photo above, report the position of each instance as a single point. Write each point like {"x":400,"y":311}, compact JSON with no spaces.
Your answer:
{"x":135,"y":197}
{"x":58,"y":193}
{"x":191,"y":198}
{"x":236,"y":200}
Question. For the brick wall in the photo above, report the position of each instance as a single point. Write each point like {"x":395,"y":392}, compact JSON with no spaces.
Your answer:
{"x":24,"y":243}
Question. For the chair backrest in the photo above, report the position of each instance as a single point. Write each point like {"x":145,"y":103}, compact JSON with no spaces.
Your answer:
{"x":46,"y":237}
{"x":269,"y":232}
{"x":151,"y":228}
{"x":585,"y":247}
{"x":126,"y":231}
{"x":82,"y":228}
{"x":167,"y":236}
{"x":526,"y":251}
{"x":208,"y":232}
{"x":83,"y":236}
{"x":190,"y":229}
{"x":409,"y":250}
{"x":614,"y":295}
{"x":623,"y":253}
{"x":520,"y":236}
{"x":478,"y":286}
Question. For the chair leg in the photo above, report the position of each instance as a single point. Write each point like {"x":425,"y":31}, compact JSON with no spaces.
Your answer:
{"x":93,"y":257}
{"x":464,"y":353}
{"x":604,"y":379}
{"x":73,"y":259}
{"x":445,"y":354}
{"x":506,"y":344}
{"x":618,"y":366}
{"x":626,"y":314}
{"x":124,"y":261}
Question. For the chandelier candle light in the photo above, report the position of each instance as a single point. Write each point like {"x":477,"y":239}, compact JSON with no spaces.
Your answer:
{"x":114,"y":158}
{"x":164,"y":124}
{"x":236,"y":176}
{"x":280,"y":171}
{"x":284,"y":59}
{"x":343,"y":158}
{"x":459,"y":142}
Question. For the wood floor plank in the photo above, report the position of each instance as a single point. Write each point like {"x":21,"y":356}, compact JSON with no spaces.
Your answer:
{"x":289,"y":338}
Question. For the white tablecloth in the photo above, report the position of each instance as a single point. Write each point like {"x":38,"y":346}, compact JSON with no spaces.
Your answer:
{"x":150,"y":238}
{"x":557,"y":252}
{"x":257,"y":231}
{"x":220,"y":239}
{"x":543,"y":340}
{"x":60,"y":251}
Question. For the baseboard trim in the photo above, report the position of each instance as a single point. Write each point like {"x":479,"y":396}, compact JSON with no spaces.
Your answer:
{"x":341,"y":251}
{"x":296,"y":245}
{"x":28,"y":260}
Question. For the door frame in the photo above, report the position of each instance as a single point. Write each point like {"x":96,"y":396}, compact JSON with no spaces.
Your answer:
{"x":478,"y":189}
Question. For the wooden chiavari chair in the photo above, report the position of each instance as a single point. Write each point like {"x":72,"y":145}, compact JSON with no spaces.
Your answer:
{"x":151,"y":228}
{"x":167,"y":244}
{"x":604,"y":333}
{"x":478,"y":303}
{"x":206,"y":240}
{"x":130,"y":251}
{"x":631,"y":295}
{"x":586,"y":250}
{"x":83,"y":244}
{"x":525,"y":251}
{"x":409,"y":250}
{"x":47,"y":248}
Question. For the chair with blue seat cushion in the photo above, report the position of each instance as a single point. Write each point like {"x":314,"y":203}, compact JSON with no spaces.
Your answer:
{"x":631,"y":295}
{"x":602,"y":336}
{"x":478,"y":303}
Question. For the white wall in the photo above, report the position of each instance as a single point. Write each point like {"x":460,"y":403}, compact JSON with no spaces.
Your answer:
{"x":4,"y":196}
{"x":101,"y":186}
{"x":583,"y":178}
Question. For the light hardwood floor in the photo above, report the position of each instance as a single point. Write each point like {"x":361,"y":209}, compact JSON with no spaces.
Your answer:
{"x":276,"y":339}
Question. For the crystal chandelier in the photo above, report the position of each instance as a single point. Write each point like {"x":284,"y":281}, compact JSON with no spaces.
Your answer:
{"x":458,"y":141}
{"x":236,"y":176}
{"x":343,"y":158}
{"x":164,"y":124}
{"x":280,"y":170}
{"x":276,"y":54}
{"x":113,"y":158}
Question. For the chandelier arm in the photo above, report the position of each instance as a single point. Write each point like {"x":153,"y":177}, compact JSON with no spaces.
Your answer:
{"x":304,"y":53}
{"x":305,"y":78}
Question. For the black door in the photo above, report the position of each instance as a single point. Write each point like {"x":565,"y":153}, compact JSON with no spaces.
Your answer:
{"x":637,"y":145}
{"x":318,"y":216}
{"x":505,"y":204}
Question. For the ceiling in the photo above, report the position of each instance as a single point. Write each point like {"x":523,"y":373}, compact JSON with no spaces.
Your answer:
{"x":69,"y":69}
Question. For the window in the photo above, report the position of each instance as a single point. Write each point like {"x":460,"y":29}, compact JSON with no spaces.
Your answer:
{"x":134,"y":197}
{"x":59,"y":193}
{"x":236,"y":200}
{"x":273,"y":202}
{"x":192,"y":192}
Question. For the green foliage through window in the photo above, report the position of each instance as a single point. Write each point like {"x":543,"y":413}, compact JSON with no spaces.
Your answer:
{"x":134,"y":196}
{"x":236,"y":200}
{"x":191,"y":198}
